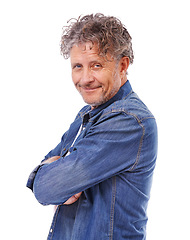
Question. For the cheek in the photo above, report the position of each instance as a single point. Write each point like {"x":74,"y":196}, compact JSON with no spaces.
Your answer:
{"x":105,"y":77}
{"x":114,"y":84}
{"x":111,"y":80}
{"x":75,"y":78}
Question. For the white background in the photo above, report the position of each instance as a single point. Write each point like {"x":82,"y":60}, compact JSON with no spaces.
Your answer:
{"x":38,"y":103}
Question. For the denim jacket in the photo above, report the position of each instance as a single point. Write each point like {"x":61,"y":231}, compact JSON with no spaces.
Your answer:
{"x":111,"y":163}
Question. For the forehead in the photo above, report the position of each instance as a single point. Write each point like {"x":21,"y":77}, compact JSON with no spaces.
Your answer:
{"x":87,"y":51}
{"x":84,"y":50}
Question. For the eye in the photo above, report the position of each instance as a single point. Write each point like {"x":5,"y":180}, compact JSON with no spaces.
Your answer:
{"x":77,"y":66}
{"x":97,"y":66}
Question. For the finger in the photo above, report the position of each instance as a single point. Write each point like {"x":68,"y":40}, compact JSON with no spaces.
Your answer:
{"x":77,"y":195}
{"x":73,"y":199}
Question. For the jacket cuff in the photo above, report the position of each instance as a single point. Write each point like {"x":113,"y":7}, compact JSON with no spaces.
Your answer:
{"x":32,"y":176}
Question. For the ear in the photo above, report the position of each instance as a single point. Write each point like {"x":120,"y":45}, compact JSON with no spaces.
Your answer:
{"x":123,"y":64}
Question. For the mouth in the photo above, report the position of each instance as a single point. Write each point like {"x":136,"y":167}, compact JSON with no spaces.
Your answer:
{"x":90,"y":89}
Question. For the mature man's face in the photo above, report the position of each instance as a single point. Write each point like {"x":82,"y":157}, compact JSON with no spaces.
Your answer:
{"x":96,"y":78}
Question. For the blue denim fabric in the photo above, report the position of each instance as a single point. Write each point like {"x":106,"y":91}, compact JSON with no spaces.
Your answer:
{"x":111,"y":162}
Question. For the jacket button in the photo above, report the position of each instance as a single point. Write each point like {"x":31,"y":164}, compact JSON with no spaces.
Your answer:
{"x":51,"y":230}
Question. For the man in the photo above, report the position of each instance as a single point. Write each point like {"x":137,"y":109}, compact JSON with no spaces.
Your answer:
{"x":100,"y":174}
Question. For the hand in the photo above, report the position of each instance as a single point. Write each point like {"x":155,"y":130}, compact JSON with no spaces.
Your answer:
{"x":73,"y":199}
{"x":52,"y":159}
{"x":70,"y":200}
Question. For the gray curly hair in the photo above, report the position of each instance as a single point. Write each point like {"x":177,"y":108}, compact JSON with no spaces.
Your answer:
{"x":108,"y":32}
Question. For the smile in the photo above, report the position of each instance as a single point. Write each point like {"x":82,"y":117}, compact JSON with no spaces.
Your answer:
{"x":89,"y":90}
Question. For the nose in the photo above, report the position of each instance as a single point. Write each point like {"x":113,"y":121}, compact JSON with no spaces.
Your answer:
{"x":86,"y":77}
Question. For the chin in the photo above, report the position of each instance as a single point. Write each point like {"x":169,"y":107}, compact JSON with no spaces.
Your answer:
{"x":94,"y":104}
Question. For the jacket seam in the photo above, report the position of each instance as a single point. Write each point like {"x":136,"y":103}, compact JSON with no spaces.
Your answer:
{"x":128,"y":95}
{"x":141,"y":140}
{"x":54,"y":223}
{"x":124,"y":111}
{"x":139,"y":121}
{"x":112,"y":208}
{"x":140,"y":147}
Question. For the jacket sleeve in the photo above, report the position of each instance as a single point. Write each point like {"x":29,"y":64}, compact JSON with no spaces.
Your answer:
{"x":110,"y":147}
{"x":55,"y":152}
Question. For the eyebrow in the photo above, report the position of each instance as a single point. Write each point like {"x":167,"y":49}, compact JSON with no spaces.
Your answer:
{"x":91,"y":62}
